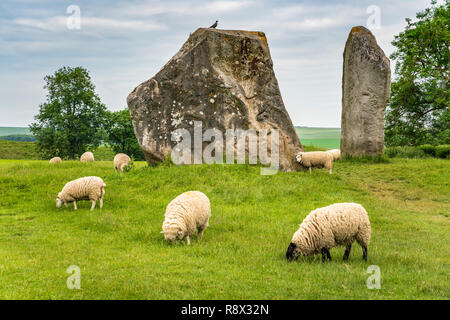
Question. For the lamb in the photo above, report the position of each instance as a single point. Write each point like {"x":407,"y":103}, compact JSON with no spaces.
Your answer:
{"x":121,"y":160}
{"x":184,"y":214}
{"x":318,"y":159}
{"x":327,"y":227}
{"x":86,"y":188}
{"x":87,"y":157}
{"x":55,"y":160}
{"x":336,"y":154}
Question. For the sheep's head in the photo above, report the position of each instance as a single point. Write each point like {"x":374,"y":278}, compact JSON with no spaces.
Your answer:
{"x":58,"y":202}
{"x":172,"y":232}
{"x":292,"y":252}
{"x":299,"y":158}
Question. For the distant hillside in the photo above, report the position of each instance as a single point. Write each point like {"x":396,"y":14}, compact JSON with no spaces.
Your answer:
{"x":19,"y":137}
{"x":329,"y":138}
{"x":7,"y":131}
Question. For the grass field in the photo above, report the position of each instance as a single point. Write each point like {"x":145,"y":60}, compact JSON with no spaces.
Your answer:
{"x":27,"y":151}
{"x":328,"y":138}
{"x":122,"y":254}
{"x":6,"y":131}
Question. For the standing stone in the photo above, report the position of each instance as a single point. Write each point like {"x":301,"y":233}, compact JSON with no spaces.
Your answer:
{"x":366,"y":86}
{"x":223,"y":79}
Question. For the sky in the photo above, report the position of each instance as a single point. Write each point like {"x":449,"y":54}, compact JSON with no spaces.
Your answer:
{"x":123,"y":43}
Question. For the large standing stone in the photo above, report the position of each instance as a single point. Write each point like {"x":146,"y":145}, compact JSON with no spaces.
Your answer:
{"x":366,"y":85}
{"x":223,"y":78}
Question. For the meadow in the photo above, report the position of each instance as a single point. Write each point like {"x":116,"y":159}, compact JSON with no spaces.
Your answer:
{"x":122,"y":255}
{"x":328,"y":138}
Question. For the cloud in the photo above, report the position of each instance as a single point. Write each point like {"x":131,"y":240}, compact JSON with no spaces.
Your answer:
{"x":183,"y":8}
{"x":59,"y":23}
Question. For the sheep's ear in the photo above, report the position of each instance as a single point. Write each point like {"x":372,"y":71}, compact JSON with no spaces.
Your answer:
{"x":162,"y":232}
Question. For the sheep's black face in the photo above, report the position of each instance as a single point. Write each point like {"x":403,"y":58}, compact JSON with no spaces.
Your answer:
{"x":292,"y":253}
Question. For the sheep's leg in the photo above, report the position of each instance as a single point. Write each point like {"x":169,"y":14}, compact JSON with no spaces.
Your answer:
{"x":200,"y":233}
{"x":188,"y":240}
{"x":328,"y":255}
{"x":347,"y":252}
{"x":364,"y":253}
{"x":75,"y":205}
{"x":93,"y":204}
{"x":325,"y":254}
{"x":101,"y":202}
{"x":310,"y":170}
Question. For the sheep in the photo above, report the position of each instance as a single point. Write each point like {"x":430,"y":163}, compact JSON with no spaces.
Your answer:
{"x":121,"y":160}
{"x":87,"y":157}
{"x":327,"y":227}
{"x":184,"y":214}
{"x":55,"y":160}
{"x":86,"y":188}
{"x":336,"y":154}
{"x":318,"y":159}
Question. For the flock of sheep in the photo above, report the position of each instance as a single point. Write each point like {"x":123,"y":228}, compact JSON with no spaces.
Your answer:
{"x":323,"y":228}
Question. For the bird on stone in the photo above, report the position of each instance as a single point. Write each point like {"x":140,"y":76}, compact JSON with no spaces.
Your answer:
{"x":214,"y":25}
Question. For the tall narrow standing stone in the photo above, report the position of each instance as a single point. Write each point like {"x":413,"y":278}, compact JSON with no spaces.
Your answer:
{"x":366,"y":86}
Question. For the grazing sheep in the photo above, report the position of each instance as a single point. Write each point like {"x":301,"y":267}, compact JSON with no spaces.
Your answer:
{"x":327,"y":227}
{"x":86,"y":188}
{"x":55,"y":160}
{"x":87,"y":157}
{"x":317,"y":159}
{"x":184,"y":214}
{"x":336,"y":154}
{"x":121,"y":160}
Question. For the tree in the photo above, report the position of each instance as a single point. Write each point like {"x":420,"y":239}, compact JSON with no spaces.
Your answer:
{"x":120,"y":134}
{"x":71,"y":120}
{"x":418,"y":111}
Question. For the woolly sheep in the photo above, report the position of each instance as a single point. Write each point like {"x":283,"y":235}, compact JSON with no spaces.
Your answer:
{"x":55,"y":160}
{"x":184,"y":214}
{"x":121,"y":160}
{"x":327,"y":227}
{"x":336,"y":154}
{"x":87,"y":157}
{"x":86,"y":188}
{"x":318,"y":159}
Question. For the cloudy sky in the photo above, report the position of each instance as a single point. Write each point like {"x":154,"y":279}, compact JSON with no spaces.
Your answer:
{"x":123,"y":43}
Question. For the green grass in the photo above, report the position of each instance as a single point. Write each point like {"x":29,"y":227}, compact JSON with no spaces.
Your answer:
{"x":27,"y":151}
{"x":122,"y":254}
{"x":18,"y":150}
{"x":328,"y":138}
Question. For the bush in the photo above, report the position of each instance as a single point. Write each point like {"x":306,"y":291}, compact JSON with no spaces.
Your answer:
{"x":404,"y":152}
{"x":443,"y":151}
{"x":428,"y":149}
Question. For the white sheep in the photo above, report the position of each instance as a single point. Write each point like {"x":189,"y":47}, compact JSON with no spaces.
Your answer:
{"x":121,"y":160}
{"x":186,"y":213}
{"x":87,"y":157}
{"x":336,"y":154}
{"x":317,"y":159}
{"x":86,"y":188}
{"x":327,"y":227}
{"x":55,"y":160}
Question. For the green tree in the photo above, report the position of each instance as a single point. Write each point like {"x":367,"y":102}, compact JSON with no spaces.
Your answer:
{"x":71,"y":119}
{"x":418,"y":111}
{"x":120,"y":134}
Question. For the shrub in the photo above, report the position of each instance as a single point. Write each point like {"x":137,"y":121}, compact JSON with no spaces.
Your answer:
{"x":428,"y":149}
{"x":404,"y":152}
{"x":443,"y":151}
